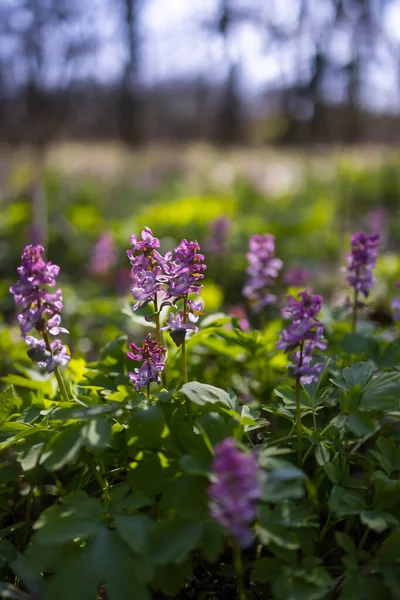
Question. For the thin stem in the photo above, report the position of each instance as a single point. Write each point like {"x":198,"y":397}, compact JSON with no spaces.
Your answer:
{"x":354,"y":316}
{"x":298,"y":421}
{"x":60,"y":380}
{"x":363,"y":539}
{"x":102,"y":481}
{"x":238,"y":564}
{"x":148,"y":391}
{"x":184,"y":367}
{"x":159,"y":336}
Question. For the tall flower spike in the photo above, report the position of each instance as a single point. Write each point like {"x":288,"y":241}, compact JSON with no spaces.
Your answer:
{"x":263,"y":269}
{"x":234,"y":491}
{"x":303,"y":336}
{"x":147,"y":272}
{"x":39,"y":308}
{"x":153,"y":356}
{"x":104,"y":255}
{"x":361,"y":262}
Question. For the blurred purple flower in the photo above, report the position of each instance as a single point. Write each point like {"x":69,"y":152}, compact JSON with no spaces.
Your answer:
{"x":39,"y":308}
{"x":303,"y":336}
{"x":104,"y":255}
{"x":395,"y":304}
{"x":263,"y":269}
{"x":234,"y":491}
{"x":378,"y":222}
{"x":153,"y":356}
{"x":217,"y":241}
{"x":361,"y":261}
{"x":296,"y":276}
{"x":240,"y":313}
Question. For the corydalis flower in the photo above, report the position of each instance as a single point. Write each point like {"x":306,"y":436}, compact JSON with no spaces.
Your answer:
{"x":303,"y":336}
{"x":104,"y":255}
{"x":396,"y":306}
{"x":234,"y":491}
{"x":185,"y":272}
{"x":296,"y":276}
{"x":147,"y":272}
{"x":361,"y":262}
{"x":263,"y":269}
{"x":217,"y":241}
{"x":39,"y":308}
{"x":153,"y":356}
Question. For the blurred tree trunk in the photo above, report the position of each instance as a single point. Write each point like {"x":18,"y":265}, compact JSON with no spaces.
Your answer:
{"x":130,"y":105}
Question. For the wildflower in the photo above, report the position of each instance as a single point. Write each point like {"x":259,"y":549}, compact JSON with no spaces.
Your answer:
{"x":234,"y":491}
{"x":396,"y":306}
{"x":217,"y":241}
{"x":104,"y":255}
{"x":39,"y":308}
{"x":185,"y":272}
{"x":147,"y":271}
{"x":296,"y":276}
{"x":153,"y":356}
{"x":361,"y":261}
{"x":378,"y":222}
{"x":303,"y":336}
{"x":263,"y":269}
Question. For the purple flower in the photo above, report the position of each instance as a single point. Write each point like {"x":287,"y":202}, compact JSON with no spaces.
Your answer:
{"x":263,"y":269}
{"x":147,"y":269}
{"x":217,"y":241}
{"x":153,"y":356}
{"x":361,"y":261}
{"x":395,"y":304}
{"x":296,"y":276}
{"x":185,"y":272}
{"x":39,"y":308}
{"x":104,"y":255}
{"x":378,"y":222}
{"x":303,"y":336}
{"x":234,"y":491}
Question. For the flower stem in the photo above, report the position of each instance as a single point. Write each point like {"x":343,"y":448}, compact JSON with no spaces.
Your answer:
{"x":60,"y":380}
{"x":354,"y":316}
{"x":298,"y":421}
{"x":102,"y":481}
{"x":159,"y":336}
{"x":184,"y":368}
{"x":238,"y":564}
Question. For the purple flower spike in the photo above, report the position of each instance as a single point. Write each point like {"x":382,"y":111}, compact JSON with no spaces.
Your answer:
{"x":303,"y":336}
{"x":263,"y":269}
{"x":186,"y":271}
{"x":234,"y":491}
{"x":396,"y":306}
{"x":361,"y":262}
{"x":153,"y":356}
{"x":104,"y":255}
{"x":39,"y":308}
{"x":217,"y":242}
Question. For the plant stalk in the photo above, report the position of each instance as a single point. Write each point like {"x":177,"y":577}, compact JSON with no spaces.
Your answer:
{"x":238,"y":564}
{"x":60,"y":380}
{"x":354,"y":315}
{"x":184,"y":367}
{"x":159,"y":337}
{"x":298,"y":422}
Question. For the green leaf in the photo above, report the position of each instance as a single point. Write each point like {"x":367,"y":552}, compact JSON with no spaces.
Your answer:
{"x":345,"y":542}
{"x":97,"y":433}
{"x":19,"y":381}
{"x":212,"y":542}
{"x":389,"y":552}
{"x":378,"y":520}
{"x":358,"y":374}
{"x":194,"y":465}
{"x":173,"y":540}
{"x":344,"y":503}
{"x":7,"y":403}
{"x":135,"y":530}
{"x":63,"y":448}
{"x":358,"y":343}
{"x":266,"y":569}
{"x":147,"y":425}
{"x":203,"y":394}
